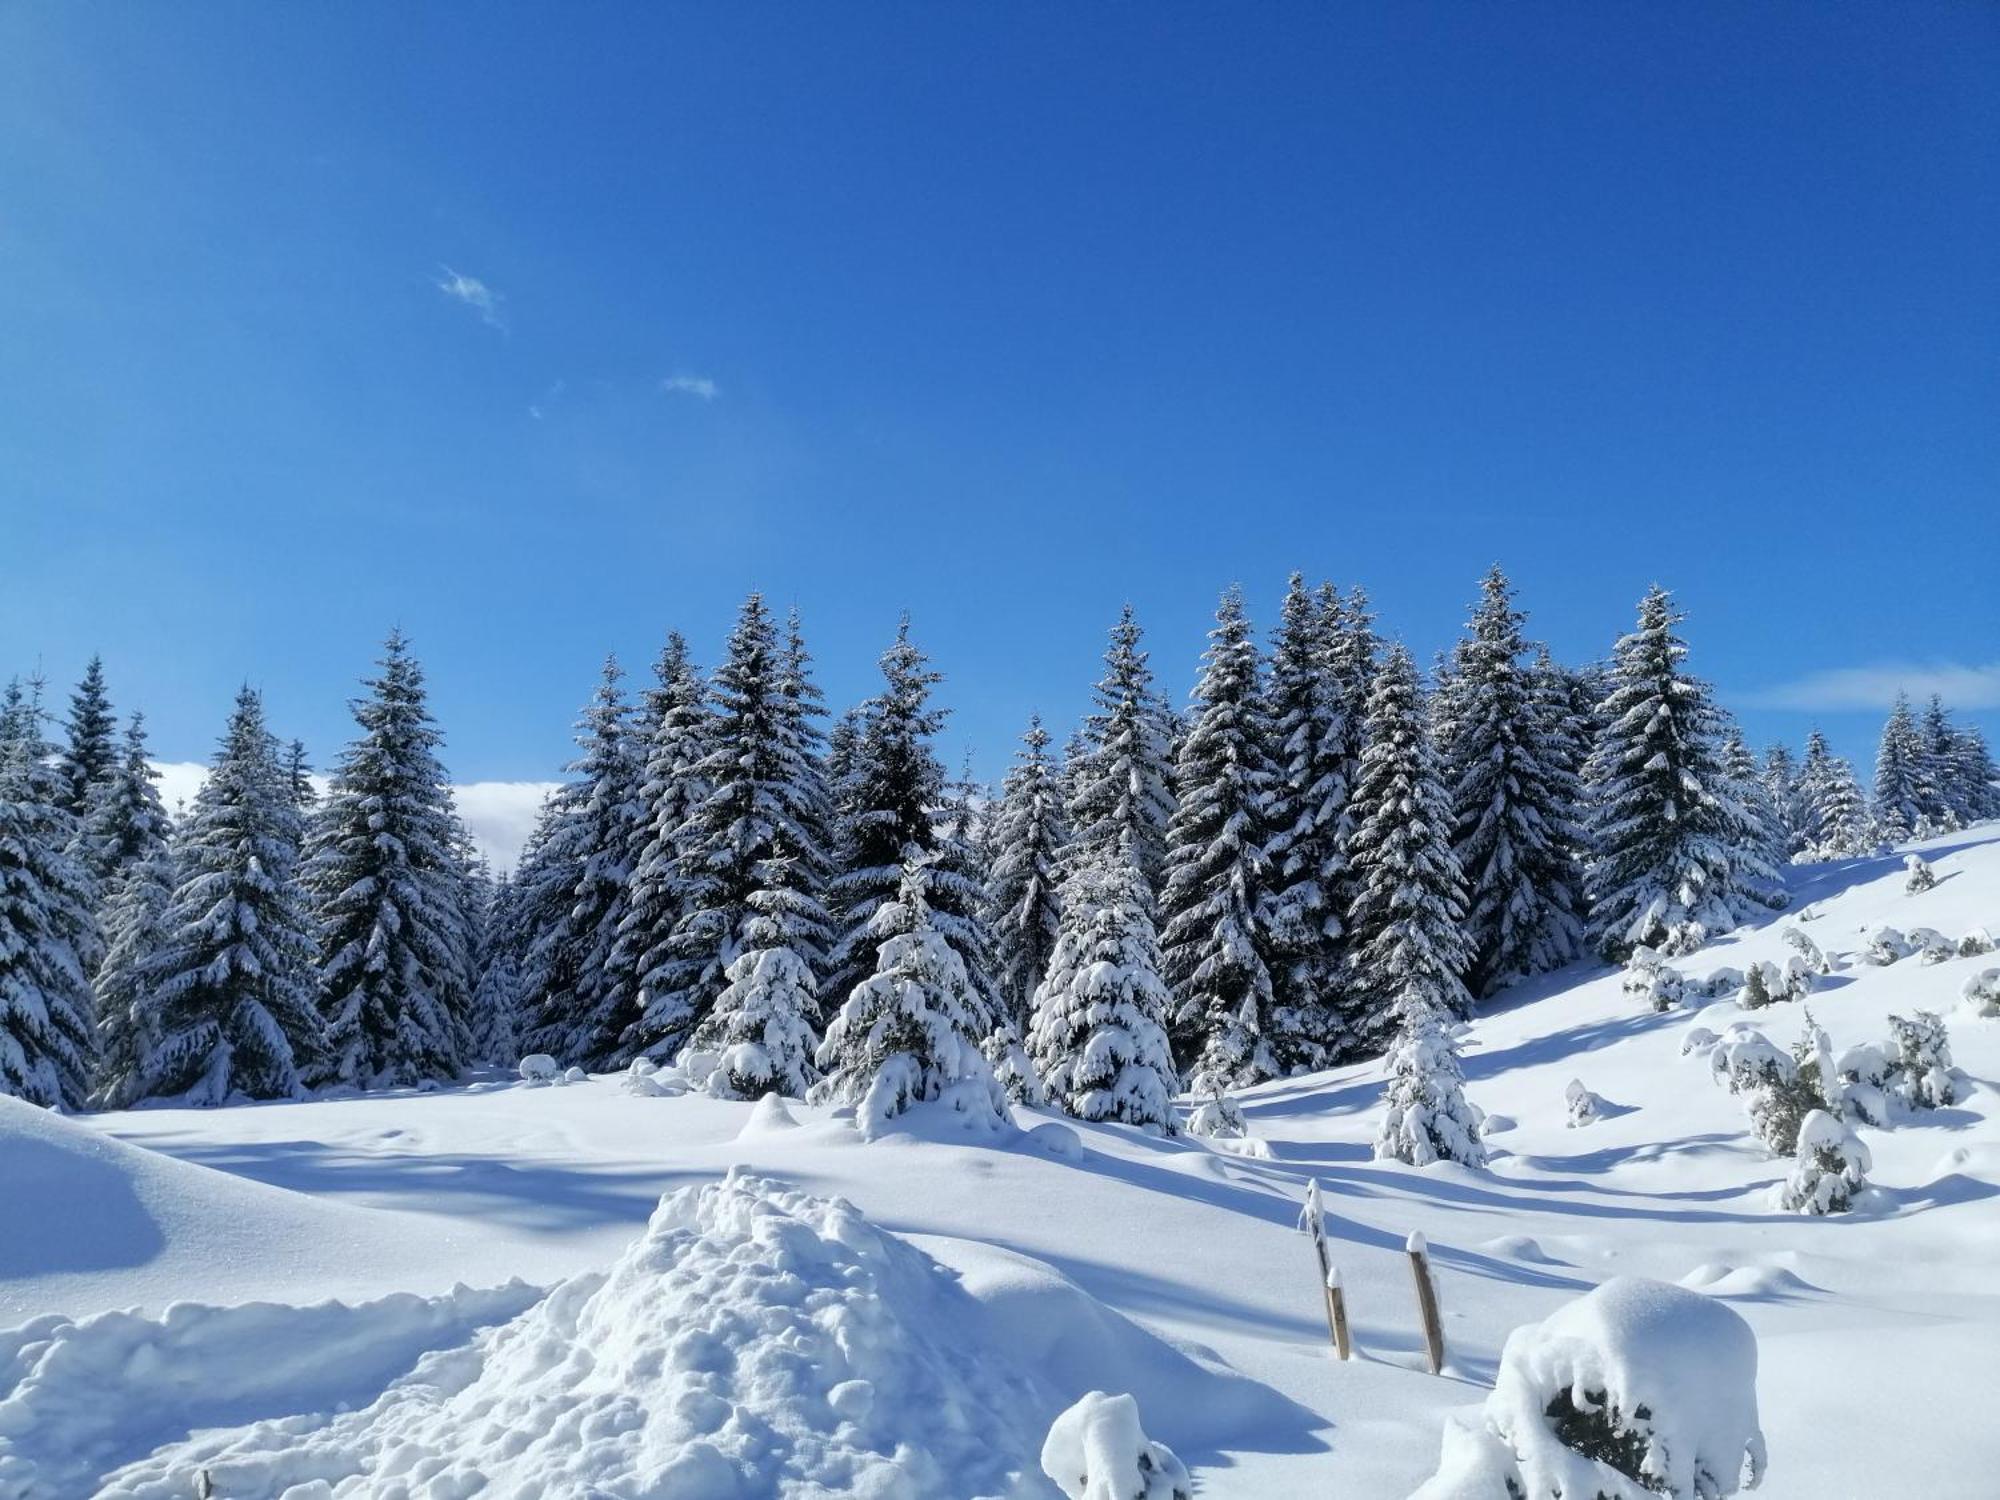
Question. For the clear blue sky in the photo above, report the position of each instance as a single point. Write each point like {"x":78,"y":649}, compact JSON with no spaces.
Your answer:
{"x":542,"y":328}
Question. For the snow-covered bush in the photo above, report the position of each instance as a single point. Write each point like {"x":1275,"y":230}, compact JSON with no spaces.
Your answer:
{"x":1933,"y":946}
{"x":1832,"y":1167}
{"x":1635,"y":1390}
{"x":1219,"y":1117}
{"x":1699,"y":1042}
{"x":1887,"y":946}
{"x":1982,"y":993}
{"x":1806,"y":949}
{"x":1097,"y":1451}
{"x":1012,"y":1066}
{"x":1719,"y":984}
{"x":1975,"y":943}
{"x":538,"y":1070}
{"x":1763,"y":985}
{"x":1650,"y":979}
{"x":1863,"y":1074}
{"x":1920,"y":1061}
{"x":1776,"y":1097}
{"x":1428,"y":1118}
{"x":1921,"y":877}
{"x":643,"y":1079}
{"x":1742,"y":1057}
{"x":575,"y":1075}
{"x":1583,"y":1105}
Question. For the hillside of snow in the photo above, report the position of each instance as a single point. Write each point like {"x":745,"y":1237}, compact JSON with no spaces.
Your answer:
{"x":770,"y":1343}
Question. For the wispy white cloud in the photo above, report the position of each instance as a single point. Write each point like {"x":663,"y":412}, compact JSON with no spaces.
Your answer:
{"x":540,"y":409}
{"x":475,"y":294}
{"x":499,"y":814}
{"x":698,"y":386}
{"x":1960,"y":686}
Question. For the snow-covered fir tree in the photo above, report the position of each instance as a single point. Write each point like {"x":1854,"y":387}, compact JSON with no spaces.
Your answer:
{"x":910,"y":1032}
{"x":1023,"y":885}
{"x":1409,"y":954}
{"x":1511,"y":805}
{"x":1784,"y":792}
{"x":764,"y":1027}
{"x":751,"y":851}
{"x":227,"y":1003}
{"x":1212,"y":935}
{"x":1955,"y":797}
{"x":1836,"y":813}
{"x":491,"y":1035}
{"x":1566,"y":726}
{"x":49,"y":938}
{"x":676,"y":724}
{"x":1664,"y":870}
{"x":1305,"y":812}
{"x":894,"y":795}
{"x":127,"y":821}
{"x":1120,"y":770}
{"x":1906,"y":797}
{"x":384,"y":870}
{"x":135,"y":931}
{"x":89,"y":752}
{"x":298,"y":778}
{"x":1974,"y":782}
{"x":1757,"y":833}
{"x":1427,"y":1118}
{"x":1098,"y":1038}
{"x":573,"y":1006}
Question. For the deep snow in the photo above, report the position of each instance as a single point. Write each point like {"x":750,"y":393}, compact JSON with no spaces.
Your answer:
{"x":1091,"y":1257}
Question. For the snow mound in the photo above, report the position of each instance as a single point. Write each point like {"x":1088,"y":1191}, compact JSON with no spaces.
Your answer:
{"x":1097,"y":1451}
{"x":755,"y":1341}
{"x":77,"y":1399}
{"x":1635,"y":1389}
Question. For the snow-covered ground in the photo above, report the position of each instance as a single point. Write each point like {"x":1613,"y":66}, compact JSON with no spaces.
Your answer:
{"x":1079,"y":1258}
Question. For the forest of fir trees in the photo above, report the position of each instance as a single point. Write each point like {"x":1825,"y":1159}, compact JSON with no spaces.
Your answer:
{"x":1326,"y":856}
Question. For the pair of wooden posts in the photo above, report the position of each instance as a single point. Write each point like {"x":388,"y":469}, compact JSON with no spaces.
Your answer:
{"x":1313,"y":1222}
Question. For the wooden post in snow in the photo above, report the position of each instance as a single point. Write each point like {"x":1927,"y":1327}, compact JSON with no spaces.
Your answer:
{"x":203,"y":1489}
{"x":1427,"y":1301}
{"x":1313,"y":1221}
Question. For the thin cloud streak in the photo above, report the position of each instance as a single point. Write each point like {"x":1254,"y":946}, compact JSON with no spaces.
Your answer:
{"x":1960,"y":686}
{"x":475,"y":294}
{"x":698,"y":386}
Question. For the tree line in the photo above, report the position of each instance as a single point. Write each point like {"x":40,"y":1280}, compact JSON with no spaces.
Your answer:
{"x":1328,"y":855}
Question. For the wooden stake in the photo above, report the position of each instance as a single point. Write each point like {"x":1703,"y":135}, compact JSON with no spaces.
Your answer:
{"x":1427,"y":1302}
{"x":1313,"y":1221}
{"x":203,"y":1488}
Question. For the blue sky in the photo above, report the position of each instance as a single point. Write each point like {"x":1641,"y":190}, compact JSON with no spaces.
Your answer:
{"x":539,"y":329}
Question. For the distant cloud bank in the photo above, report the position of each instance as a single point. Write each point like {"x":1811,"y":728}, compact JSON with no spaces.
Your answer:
{"x":501,"y":814}
{"x":698,"y":386}
{"x":1968,"y":687}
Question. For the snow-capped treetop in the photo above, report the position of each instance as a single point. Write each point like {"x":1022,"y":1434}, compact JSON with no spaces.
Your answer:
{"x":1120,"y":771}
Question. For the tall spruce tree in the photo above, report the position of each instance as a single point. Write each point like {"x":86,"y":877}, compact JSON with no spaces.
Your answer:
{"x":1905,"y":795}
{"x":49,"y":938}
{"x":85,"y":762}
{"x":895,"y":792}
{"x":575,"y":1001}
{"x":1305,"y":812}
{"x":1836,"y":810}
{"x":1757,"y":834}
{"x":127,"y":821}
{"x":1213,"y":940}
{"x":751,"y":853}
{"x":227,"y":1002}
{"x":385,"y":872}
{"x":128,"y":836}
{"x":1120,"y":769}
{"x":1023,"y":904}
{"x":1782,"y":789}
{"x":1099,"y":1031}
{"x":1408,"y":951}
{"x":1511,"y":802}
{"x":1663,"y":875}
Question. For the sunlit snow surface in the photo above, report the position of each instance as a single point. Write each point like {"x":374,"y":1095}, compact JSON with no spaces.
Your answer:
{"x":1086,"y":1258}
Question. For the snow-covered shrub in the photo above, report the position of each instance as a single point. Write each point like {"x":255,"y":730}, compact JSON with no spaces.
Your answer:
{"x":1921,"y":876}
{"x":1583,"y":1105}
{"x":1832,"y":1167}
{"x":1219,"y":1117}
{"x":1742,"y":1057}
{"x":1649,"y":979}
{"x":1012,"y":1066}
{"x":644,"y":1079}
{"x":1635,"y":1390}
{"x":1799,"y":977}
{"x":575,"y":1075}
{"x":1863,"y":1074}
{"x":1763,"y":985}
{"x":1887,"y":946}
{"x":1776,"y":1097}
{"x":1982,"y":993}
{"x":762,"y":1027}
{"x":1097,"y":1451}
{"x":1719,"y":984}
{"x":1699,"y":1042}
{"x":1975,"y":943}
{"x":538,"y":1070}
{"x":1932,"y":945}
{"x":1920,"y":1061}
{"x":1806,"y":949}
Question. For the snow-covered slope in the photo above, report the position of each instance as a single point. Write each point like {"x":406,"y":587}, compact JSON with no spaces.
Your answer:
{"x":1094,"y":1256}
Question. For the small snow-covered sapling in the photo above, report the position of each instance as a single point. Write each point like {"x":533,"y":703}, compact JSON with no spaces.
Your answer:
{"x":1920,"y":1062}
{"x":1982,"y":993}
{"x":1097,"y":1450}
{"x":1921,"y":876}
{"x":1583,"y":1105}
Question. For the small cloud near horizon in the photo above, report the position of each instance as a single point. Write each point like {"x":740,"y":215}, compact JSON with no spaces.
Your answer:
{"x":475,"y":294}
{"x":1959,"y":686}
{"x":698,"y":386}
